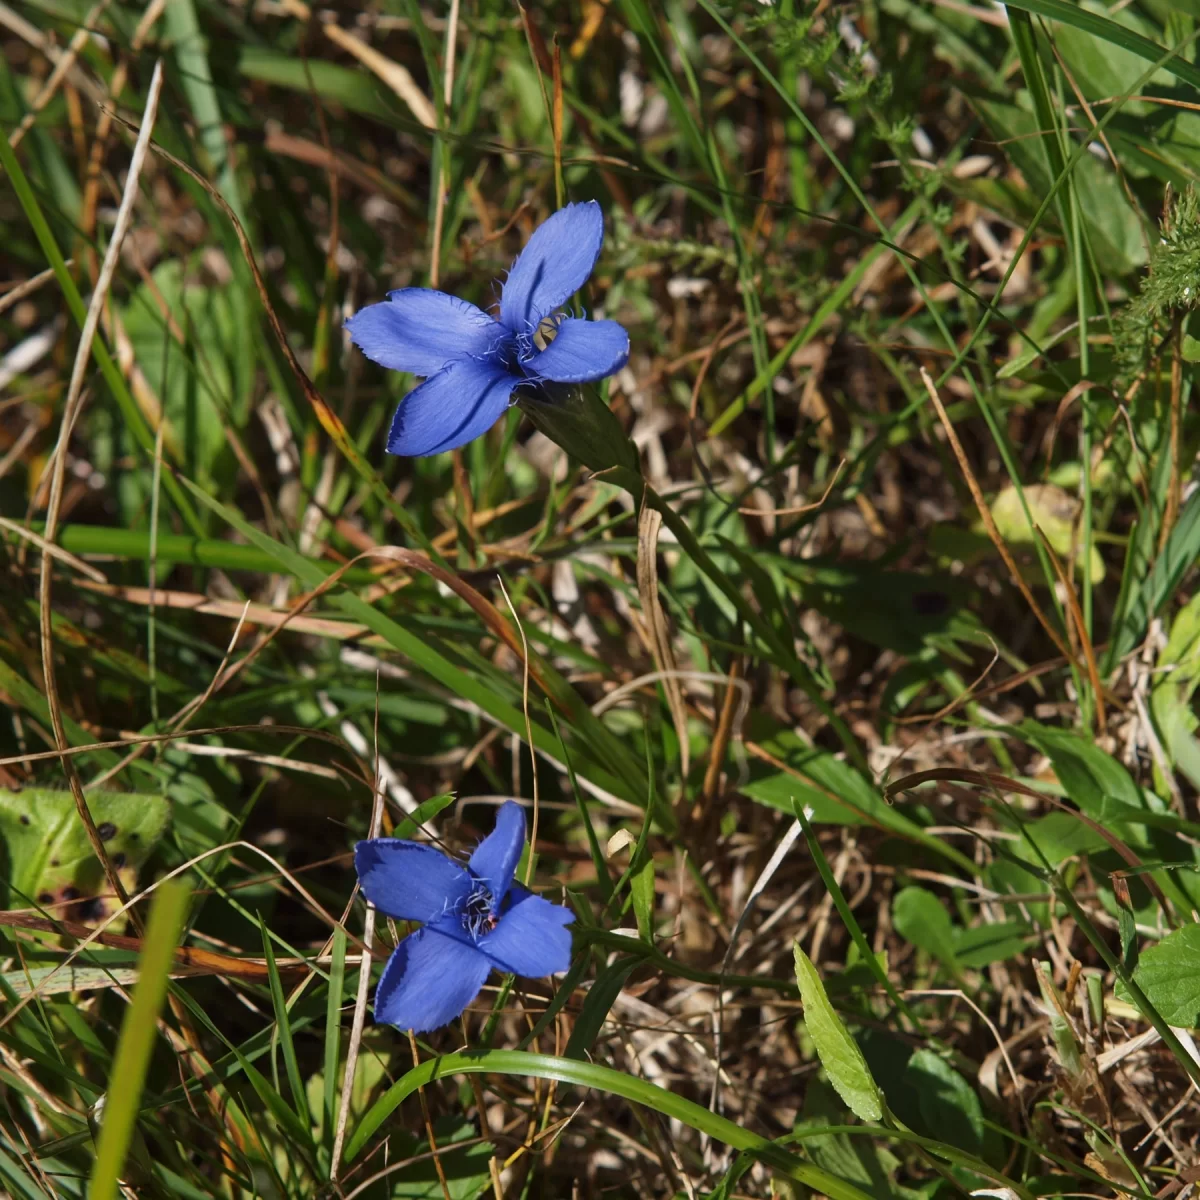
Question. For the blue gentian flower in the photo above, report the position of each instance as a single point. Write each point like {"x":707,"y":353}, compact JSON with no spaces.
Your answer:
{"x":474,"y":918}
{"x":474,"y":362}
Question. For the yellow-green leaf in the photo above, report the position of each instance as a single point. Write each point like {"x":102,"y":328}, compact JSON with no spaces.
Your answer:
{"x":839,"y":1053}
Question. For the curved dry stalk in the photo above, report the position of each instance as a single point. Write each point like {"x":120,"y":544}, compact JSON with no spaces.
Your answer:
{"x":71,"y":411}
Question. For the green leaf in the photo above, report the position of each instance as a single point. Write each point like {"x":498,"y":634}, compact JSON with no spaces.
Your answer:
{"x":465,"y":1168}
{"x":1109,"y":31}
{"x":839,"y":1053}
{"x":596,"y":1005}
{"x":921,"y":918}
{"x":985,"y":944}
{"x":45,"y":850}
{"x":1114,"y":230}
{"x":1055,"y":512}
{"x":355,"y":89}
{"x":837,"y":795}
{"x":1162,"y":580}
{"x":1169,"y":974}
{"x":1175,"y":683}
{"x":1094,"y":780}
{"x":196,"y":382}
{"x":949,"y":1108}
{"x":858,"y":1160}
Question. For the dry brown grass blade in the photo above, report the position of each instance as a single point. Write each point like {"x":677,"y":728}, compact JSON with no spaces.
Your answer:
{"x":557,"y":110}
{"x":658,"y":631}
{"x":721,"y":736}
{"x":985,"y":515}
{"x":800,"y":509}
{"x":392,"y":73}
{"x":543,"y":65}
{"x":189,"y":958}
{"x":1076,"y":614}
{"x":71,"y":409}
{"x":63,"y":65}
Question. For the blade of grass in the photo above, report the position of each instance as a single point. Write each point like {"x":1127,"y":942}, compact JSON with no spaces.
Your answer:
{"x":605,"y":1079}
{"x":138,"y":1031}
{"x":283,"y":1025}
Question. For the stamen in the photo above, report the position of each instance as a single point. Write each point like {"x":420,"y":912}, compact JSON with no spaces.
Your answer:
{"x":477,"y":916}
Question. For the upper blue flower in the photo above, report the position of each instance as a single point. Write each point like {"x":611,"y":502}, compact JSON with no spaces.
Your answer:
{"x":475,"y":918}
{"x":474,"y":361}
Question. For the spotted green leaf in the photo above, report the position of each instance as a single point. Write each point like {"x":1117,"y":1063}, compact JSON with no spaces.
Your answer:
{"x":45,"y":855}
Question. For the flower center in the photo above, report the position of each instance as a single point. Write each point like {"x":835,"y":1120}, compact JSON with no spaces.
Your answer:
{"x":477,"y":916}
{"x":545,"y":333}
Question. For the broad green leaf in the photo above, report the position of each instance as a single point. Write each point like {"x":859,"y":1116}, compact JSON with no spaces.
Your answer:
{"x":596,"y":1005}
{"x":1153,"y":586}
{"x":1109,"y":31}
{"x":949,"y":1108}
{"x":858,"y":1160}
{"x":53,"y":981}
{"x":1169,"y":974}
{"x":839,"y":1053}
{"x":836,"y":793}
{"x":921,"y":918}
{"x":1175,"y":683}
{"x":465,"y":1168}
{"x":355,"y":89}
{"x":48,"y":858}
{"x":985,"y":944}
{"x":195,"y":381}
{"x":1094,"y":780}
{"x":1055,"y":513}
{"x":370,"y":1068}
{"x":1103,"y":68}
{"x":1113,"y":228}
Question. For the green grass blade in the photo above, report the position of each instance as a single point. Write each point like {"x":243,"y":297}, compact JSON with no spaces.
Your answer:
{"x":333,"y":1033}
{"x":138,"y":1031}
{"x":589,"y":1075}
{"x":284,"y":1026}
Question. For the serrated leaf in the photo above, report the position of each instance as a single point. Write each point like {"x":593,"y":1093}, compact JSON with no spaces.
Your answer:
{"x":1169,"y":974}
{"x":838,"y":1051}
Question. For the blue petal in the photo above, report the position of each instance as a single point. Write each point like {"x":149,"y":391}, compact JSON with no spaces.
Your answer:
{"x":428,"y":982}
{"x":496,"y":857}
{"x":582,"y":351}
{"x":420,"y":330}
{"x":451,"y":408}
{"x":408,"y":881}
{"x":530,"y":939}
{"x":553,"y":266}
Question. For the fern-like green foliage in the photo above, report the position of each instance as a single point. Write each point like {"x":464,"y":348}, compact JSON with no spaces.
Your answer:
{"x":1171,"y":285}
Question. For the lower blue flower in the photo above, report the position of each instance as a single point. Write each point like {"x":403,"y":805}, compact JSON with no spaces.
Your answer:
{"x":474,"y":917}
